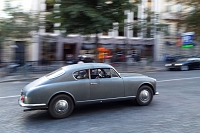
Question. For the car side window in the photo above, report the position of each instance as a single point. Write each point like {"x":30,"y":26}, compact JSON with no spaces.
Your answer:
{"x":94,"y":73}
{"x":106,"y":73}
{"x":100,"y":73}
{"x":81,"y":74}
{"x":114,"y":73}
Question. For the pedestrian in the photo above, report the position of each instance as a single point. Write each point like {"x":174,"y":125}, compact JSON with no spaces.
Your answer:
{"x":80,"y":60}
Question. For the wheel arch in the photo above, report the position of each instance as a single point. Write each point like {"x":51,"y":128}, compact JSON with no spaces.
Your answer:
{"x":61,"y":93}
{"x":147,"y":84}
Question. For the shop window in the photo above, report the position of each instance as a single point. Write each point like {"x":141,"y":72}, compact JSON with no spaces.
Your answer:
{"x":105,"y":33}
{"x":48,"y":52}
{"x":135,"y":32}
{"x":121,"y":33}
{"x":49,"y":27}
{"x":49,"y":6}
{"x":149,"y":3}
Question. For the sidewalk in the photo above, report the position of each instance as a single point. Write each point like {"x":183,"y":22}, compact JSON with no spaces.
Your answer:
{"x":121,"y":68}
{"x":140,"y":68}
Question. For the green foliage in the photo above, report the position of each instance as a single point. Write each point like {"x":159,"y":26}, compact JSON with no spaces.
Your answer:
{"x":192,"y":21}
{"x":89,"y":16}
{"x":148,"y":24}
{"x":18,"y":24}
{"x":189,"y":17}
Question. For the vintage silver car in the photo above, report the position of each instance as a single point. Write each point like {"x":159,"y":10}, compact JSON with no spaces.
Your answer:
{"x":61,"y":90}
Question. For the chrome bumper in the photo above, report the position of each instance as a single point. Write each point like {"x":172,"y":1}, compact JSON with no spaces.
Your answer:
{"x":31,"y":105}
{"x":157,"y":93}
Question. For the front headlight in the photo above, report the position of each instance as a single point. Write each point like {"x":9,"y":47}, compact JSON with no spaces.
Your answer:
{"x":178,"y":64}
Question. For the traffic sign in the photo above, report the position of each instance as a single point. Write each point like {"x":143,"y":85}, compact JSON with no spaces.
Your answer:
{"x":187,"y":39}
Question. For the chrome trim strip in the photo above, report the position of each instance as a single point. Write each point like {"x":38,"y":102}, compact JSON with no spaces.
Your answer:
{"x":106,"y":99}
{"x":31,"y":105}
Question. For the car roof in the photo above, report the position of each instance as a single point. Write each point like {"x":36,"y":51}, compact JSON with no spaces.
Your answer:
{"x":188,"y":59}
{"x":194,"y":58}
{"x":86,"y":66}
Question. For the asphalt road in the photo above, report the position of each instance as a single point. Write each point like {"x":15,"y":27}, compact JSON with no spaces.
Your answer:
{"x":175,"y":110}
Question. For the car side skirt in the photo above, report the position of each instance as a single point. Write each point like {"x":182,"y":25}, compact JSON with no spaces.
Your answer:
{"x":107,"y":99}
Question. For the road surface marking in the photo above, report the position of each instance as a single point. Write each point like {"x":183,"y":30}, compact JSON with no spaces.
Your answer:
{"x":9,"y":96}
{"x":178,"y":79}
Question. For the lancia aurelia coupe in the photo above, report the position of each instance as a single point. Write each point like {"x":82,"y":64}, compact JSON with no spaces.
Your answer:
{"x":60,"y":91}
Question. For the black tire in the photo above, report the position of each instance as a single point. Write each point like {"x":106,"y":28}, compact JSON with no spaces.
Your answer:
{"x":55,"y":108}
{"x":184,"y":68}
{"x":144,"y":95}
{"x":169,"y":69}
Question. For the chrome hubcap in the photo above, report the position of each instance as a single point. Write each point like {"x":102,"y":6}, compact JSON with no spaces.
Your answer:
{"x":61,"y":106}
{"x":144,"y":96}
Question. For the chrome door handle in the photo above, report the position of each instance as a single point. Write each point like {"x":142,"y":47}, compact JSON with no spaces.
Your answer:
{"x":93,"y":83}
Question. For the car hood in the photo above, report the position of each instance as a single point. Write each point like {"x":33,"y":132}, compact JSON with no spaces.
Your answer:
{"x":36,"y":83}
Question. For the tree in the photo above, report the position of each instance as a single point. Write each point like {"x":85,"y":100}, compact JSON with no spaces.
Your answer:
{"x":17,"y":24}
{"x":86,"y":17}
{"x":148,"y":25}
{"x":189,"y":15}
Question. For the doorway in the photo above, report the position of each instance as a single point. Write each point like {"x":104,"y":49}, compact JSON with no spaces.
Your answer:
{"x":69,"y":49}
{"x":19,"y":52}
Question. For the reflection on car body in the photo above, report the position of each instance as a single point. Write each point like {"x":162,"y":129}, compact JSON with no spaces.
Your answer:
{"x":72,"y":85}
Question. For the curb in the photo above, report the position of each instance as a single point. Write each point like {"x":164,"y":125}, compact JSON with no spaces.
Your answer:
{"x":23,"y":79}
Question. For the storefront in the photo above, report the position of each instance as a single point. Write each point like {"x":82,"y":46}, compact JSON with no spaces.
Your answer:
{"x":57,"y":47}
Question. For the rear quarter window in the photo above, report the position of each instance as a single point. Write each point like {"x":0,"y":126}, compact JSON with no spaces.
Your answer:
{"x":55,"y":73}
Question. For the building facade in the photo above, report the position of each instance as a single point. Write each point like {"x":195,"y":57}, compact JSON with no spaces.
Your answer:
{"x":49,"y":44}
{"x":15,"y":50}
{"x":171,"y":14}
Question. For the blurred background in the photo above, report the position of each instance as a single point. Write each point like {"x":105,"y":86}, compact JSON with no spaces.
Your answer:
{"x":35,"y":34}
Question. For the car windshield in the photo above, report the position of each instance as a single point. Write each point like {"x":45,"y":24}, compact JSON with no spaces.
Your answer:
{"x":55,"y":73}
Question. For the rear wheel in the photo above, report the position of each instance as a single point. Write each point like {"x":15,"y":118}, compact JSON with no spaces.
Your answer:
{"x":144,"y":95}
{"x":61,"y":106}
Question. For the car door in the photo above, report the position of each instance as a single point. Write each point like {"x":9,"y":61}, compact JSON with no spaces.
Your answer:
{"x":193,"y":63}
{"x":110,"y":86}
{"x":81,"y":86}
{"x":198,"y":60}
{"x":197,"y":63}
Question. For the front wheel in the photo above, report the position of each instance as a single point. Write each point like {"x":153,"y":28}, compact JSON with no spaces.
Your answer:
{"x":144,"y":95}
{"x":184,"y":68}
{"x":61,"y":106}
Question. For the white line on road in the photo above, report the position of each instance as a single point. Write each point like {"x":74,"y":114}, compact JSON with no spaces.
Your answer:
{"x":9,"y":96}
{"x":178,"y":79}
